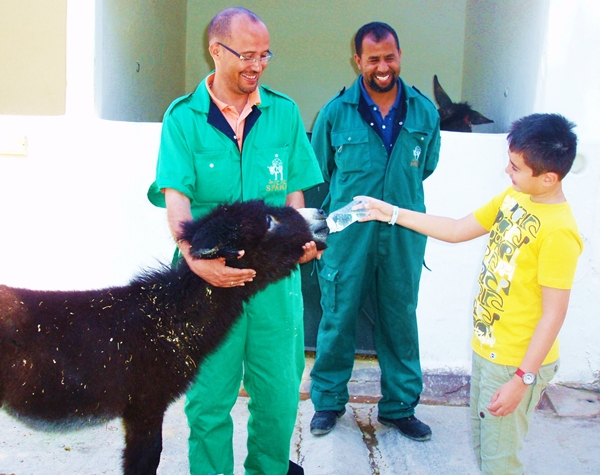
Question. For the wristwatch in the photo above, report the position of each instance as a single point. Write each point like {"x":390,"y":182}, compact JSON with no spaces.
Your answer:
{"x":528,"y":378}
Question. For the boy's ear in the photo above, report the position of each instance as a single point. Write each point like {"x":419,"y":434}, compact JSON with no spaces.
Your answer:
{"x":550,"y":178}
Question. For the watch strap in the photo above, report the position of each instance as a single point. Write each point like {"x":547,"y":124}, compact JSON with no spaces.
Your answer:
{"x":520,"y":373}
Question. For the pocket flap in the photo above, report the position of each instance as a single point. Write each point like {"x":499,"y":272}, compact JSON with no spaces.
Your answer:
{"x":349,"y":137}
{"x":327,"y":273}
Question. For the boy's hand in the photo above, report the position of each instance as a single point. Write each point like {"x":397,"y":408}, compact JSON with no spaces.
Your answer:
{"x":507,"y":398}
{"x":378,"y":210}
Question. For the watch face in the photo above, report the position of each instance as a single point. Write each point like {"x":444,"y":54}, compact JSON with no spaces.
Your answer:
{"x":529,"y":378}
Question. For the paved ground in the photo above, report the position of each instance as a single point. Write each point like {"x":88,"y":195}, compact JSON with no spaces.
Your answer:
{"x":564,"y":440}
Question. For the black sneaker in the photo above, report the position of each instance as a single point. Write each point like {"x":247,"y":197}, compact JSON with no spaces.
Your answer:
{"x":295,"y":469}
{"x":410,"y":427}
{"x":323,"y":421}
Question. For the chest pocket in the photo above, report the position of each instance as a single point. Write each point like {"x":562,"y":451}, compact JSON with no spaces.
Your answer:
{"x":415,"y":144}
{"x":351,"y":150}
{"x":218,"y":175}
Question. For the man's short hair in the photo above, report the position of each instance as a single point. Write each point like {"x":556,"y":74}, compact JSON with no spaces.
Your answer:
{"x":378,"y":30}
{"x":546,"y":141}
{"x":220,"y":26}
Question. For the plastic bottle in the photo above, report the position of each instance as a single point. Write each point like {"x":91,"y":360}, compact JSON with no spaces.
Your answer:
{"x":344,"y":217}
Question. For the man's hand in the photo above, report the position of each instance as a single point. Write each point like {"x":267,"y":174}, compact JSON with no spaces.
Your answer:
{"x":310,"y":252}
{"x":507,"y":398}
{"x":218,"y":274}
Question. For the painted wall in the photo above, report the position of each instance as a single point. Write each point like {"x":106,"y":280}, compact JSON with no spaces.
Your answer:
{"x":73,"y":212}
{"x":140,"y":58}
{"x":74,"y":215}
{"x":504,"y":41}
{"x":470,"y":172}
{"x":149,"y":53}
{"x":32,"y":56}
{"x":313,"y":44}
{"x":570,"y":78}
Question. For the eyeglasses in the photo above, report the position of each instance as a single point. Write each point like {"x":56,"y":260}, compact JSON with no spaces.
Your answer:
{"x":249,"y":59}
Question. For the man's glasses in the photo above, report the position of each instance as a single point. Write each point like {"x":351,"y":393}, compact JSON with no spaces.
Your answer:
{"x":249,"y":59}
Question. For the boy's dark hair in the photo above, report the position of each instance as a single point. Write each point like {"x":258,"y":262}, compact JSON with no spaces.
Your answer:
{"x":378,"y":30}
{"x":546,"y":141}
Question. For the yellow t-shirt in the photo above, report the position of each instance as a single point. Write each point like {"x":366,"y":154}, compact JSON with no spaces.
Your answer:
{"x":530,"y":245}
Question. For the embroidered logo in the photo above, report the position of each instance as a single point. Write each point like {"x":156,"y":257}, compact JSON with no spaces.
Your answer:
{"x":277,"y":183}
{"x":416,"y":155}
{"x":276,"y":168}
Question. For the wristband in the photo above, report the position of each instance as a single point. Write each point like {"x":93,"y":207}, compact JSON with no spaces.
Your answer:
{"x":394,"y":216}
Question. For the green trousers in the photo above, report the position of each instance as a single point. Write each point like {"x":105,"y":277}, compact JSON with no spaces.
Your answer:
{"x":384,"y":262}
{"x":265,"y":349}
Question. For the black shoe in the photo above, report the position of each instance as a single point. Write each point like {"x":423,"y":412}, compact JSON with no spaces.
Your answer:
{"x":323,"y":421}
{"x":410,"y":427}
{"x":295,"y":469}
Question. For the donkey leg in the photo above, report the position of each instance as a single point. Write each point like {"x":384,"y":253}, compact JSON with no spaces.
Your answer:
{"x":143,"y":442}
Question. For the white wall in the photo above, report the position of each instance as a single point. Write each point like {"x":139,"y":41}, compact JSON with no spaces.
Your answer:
{"x":569,"y":80}
{"x":504,"y":45}
{"x":140,"y":57}
{"x":471,"y":171}
{"x":73,"y":214}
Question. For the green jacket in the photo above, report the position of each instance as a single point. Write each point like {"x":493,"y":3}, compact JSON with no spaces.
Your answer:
{"x":354,"y":160}
{"x":199,"y":156}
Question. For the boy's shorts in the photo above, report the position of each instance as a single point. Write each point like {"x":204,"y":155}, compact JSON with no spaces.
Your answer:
{"x":497,"y":441}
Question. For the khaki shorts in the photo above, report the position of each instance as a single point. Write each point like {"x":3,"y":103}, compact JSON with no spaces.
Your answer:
{"x":497,"y":441}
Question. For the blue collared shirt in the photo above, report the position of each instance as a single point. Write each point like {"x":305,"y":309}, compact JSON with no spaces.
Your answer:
{"x":385,"y":124}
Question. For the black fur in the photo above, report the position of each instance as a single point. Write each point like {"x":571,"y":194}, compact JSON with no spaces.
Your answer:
{"x":79,"y":357}
{"x":456,"y":116}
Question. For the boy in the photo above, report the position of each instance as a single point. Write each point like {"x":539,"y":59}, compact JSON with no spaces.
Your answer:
{"x":524,"y":286}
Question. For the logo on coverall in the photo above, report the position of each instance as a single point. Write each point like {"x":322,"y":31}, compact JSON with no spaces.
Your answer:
{"x":276,"y":183}
{"x":416,"y":155}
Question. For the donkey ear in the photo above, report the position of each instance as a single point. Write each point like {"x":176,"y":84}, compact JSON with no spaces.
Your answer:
{"x":477,"y":118}
{"x":442,"y":99}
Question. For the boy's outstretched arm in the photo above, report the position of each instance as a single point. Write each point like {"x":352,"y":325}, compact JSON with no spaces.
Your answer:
{"x":438,"y":227}
{"x":554,"y":308}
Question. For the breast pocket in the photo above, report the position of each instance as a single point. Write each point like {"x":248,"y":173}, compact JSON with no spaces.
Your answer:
{"x":351,"y":150}
{"x":414,"y":149}
{"x":217,"y":172}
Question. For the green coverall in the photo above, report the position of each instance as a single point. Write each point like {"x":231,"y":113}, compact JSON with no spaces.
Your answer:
{"x":372,"y":258}
{"x":199,"y":157}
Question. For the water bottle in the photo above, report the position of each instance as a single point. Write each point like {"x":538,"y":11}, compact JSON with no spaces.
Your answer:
{"x":344,"y":217}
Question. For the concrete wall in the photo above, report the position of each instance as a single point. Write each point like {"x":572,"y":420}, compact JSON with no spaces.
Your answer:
{"x":313,"y":44}
{"x":140,"y":58}
{"x":73,"y":212}
{"x":504,"y":45}
{"x":471,"y":171}
{"x":74,"y":215}
{"x":32,"y":56}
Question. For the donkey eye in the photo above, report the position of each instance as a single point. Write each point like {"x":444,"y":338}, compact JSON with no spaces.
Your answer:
{"x":271,"y":223}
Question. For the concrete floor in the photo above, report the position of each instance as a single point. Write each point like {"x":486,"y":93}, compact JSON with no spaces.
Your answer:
{"x":564,"y":439}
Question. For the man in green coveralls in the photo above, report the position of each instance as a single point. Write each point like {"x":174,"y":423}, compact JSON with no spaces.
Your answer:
{"x":233,"y":140}
{"x":379,"y":138}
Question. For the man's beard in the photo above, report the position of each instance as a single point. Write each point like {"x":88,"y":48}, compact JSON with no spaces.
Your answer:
{"x":376,"y":87}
